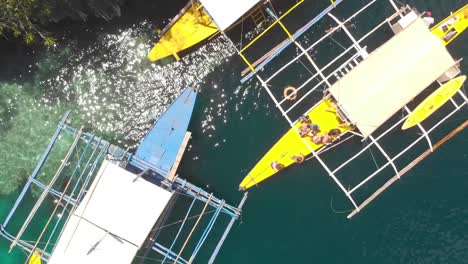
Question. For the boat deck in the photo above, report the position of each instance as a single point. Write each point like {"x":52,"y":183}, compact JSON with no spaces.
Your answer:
{"x":161,"y":145}
{"x":367,"y":96}
{"x":191,"y":27}
{"x":449,"y":28}
{"x":91,"y":214}
{"x":292,"y":144}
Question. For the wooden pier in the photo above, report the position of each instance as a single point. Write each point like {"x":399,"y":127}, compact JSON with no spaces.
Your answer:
{"x":172,"y":173}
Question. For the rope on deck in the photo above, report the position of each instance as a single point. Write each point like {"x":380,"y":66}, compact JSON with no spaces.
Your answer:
{"x":193,"y":228}
{"x":408,"y":168}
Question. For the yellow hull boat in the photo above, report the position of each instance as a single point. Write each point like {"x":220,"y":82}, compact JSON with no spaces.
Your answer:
{"x":291,"y":145}
{"x":191,"y":26}
{"x":433,"y":102}
{"x":449,"y":28}
{"x":35,"y":258}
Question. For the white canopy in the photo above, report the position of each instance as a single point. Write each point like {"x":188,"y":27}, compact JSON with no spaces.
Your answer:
{"x":225,"y":12}
{"x":113,"y":220}
{"x":392,"y":76}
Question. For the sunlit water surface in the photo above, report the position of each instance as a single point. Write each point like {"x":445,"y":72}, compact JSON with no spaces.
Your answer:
{"x":115,"y":92}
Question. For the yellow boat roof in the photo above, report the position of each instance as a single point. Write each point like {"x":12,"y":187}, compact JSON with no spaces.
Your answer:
{"x":392,"y":76}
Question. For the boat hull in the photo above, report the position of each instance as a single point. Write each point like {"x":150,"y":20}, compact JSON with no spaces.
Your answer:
{"x":191,"y":26}
{"x":452,"y":26}
{"x":292,"y":144}
{"x":433,"y":102}
{"x":161,"y":144}
{"x":35,"y":258}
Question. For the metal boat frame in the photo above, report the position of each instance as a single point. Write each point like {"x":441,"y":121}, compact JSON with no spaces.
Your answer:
{"x":356,"y":53}
{"x":92,"y":151}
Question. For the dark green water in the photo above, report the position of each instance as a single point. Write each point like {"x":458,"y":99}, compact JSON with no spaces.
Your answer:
{"x":104,"y":77}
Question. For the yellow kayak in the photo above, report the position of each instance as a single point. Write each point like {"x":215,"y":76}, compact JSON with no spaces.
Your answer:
{"x":449,"y":28}
{"x":291,"y":146}
{"x":35,"y":258}
{"x":190,"y":27}
{"x":433,"y":102}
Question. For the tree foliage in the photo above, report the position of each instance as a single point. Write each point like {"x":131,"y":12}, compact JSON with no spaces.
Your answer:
{"x":25,"y":18}
{"x":21,"y":19}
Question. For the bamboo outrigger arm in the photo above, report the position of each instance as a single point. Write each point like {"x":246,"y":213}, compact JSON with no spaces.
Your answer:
{"x":408,"y":168}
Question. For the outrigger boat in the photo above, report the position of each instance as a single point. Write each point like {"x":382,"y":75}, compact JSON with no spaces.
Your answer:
{"x":449,"y":28}
{"x":111,"y":206}
{"x":433,"y":102}
{"x":198,"y":21}
{"x":363,"y":96}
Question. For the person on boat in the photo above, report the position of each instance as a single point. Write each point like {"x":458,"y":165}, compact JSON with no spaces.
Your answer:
{"x":327,"y":139}
{"x":305,"y":119}
{"x":331,"y":135}
{"x":450,"y":34}
{"x":276,"y":166}
{"x":304,"y":130}
{"x":317,"y":139}
{"x":298,"y":158}
{"x":335,"y":132}
{"x":428,"y":19}
{"x":314,"y":129}
{"x":446,"y":26}
{"x":308,"y":129}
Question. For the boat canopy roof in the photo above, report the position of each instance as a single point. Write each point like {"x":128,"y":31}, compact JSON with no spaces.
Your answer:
{"x":225,"y":12}
{"x":391,"y":76}
{"x":113,"y":220}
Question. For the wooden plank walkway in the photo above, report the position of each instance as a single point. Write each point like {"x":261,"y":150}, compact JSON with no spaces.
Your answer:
{"x":172,"y":174}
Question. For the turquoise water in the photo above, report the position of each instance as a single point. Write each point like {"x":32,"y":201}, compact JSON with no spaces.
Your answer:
{"x":298,"y":216}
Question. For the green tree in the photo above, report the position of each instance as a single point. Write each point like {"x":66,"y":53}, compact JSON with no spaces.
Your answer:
{"x":25,"y":18}
{"x":21,"y":19}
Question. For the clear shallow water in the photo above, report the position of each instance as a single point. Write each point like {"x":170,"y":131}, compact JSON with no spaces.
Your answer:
{"x":113,"y":91}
